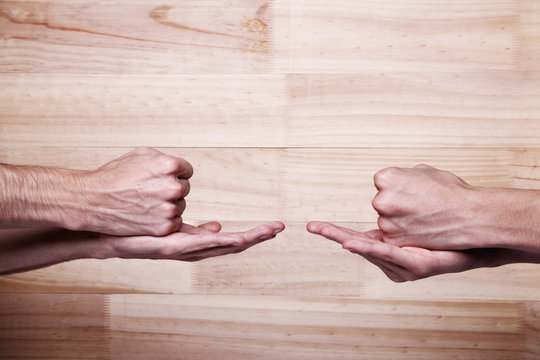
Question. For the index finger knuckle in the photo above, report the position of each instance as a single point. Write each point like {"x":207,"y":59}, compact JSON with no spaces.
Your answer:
{"x":386,"y":177}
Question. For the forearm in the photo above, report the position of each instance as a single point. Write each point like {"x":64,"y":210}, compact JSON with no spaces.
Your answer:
{"x":36,"y":196}
{"x":28,"y":249}
{"x":508,"y":218}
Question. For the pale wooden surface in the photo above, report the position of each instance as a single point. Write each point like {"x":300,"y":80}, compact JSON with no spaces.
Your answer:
{"x":286,"y":109}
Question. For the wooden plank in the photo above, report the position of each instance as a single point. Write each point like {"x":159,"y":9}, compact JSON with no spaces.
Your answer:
{"x":290,"y":184}
{"x":112,"y":276}
{"x":372,"y":110}
{"x":344,"y":36}
{"x":117,"y":110}
{"x":244,"y":327}
{"x":529,"y":36}
{"x":134,"y":36}
{"x":481,"y":109}
{"x":532,"y":329}
{"x":38,"y":326}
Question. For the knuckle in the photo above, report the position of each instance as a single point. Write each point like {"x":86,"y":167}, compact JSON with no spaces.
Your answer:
{"x":166,"y":228}
{"x":176,"y":190}
{"x":381,"y":203}
{"x":388,"y":226}
{"x":167,"y":250}
{"x":240,"y":241}
{"x":169,"y":210}
{"x":383,"y":223}
{"x":143,"y":150}
{"x":168,"y":164}
{"x":386,"y":176}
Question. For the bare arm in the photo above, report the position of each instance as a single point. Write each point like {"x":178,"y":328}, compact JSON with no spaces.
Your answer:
{"x":433,"y":209}
{"x":432,"y":222}
{"x":28,"y":249}
{"x":139,"y":193}
{"x":410,"y":263}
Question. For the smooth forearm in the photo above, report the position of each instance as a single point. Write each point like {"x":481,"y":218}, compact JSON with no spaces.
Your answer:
{"x":35,"y":196}
{"x":28,"y":249}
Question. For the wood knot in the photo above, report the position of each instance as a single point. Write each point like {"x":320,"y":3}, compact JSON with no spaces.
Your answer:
{"x":161,"y":14}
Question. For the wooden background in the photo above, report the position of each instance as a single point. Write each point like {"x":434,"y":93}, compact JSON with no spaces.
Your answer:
{"x":286,"y":109}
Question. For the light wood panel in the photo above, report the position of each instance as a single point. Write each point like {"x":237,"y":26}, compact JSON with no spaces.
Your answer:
{"x":443,"y":109}
{"x":54,"y":327}
{"x":240,"y":327}
{"x":134,"y":36}
{"x":450,"y":109}
{"x":171,"y":110}
{"x":344,"y":36}
{"x":286,"y":110}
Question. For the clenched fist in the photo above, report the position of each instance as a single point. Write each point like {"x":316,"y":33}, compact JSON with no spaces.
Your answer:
{"x":435,"y":209}
{"x":141,"y":193}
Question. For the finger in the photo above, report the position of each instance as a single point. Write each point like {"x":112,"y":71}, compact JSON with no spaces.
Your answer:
{"x":185,"y":187}
{"x":175,"y":224}
{"x":193,"y":230}
{"x":424,"y":166}
{"x":180,"y":207}
{"x":219,"y":251}
{"x":212,"y":226}
{"x":392,"y":271}
{"x":384,"y":251}
{"x":331,"y":231}
{"x":264,"y":231}
{"x":185,"y":243}
{"x":375,"y":234}
{"x":183,"y":169}
{"x":193,"y":238}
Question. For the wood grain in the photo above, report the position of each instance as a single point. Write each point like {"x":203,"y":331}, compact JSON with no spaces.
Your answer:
{"x":54,"y":327}
{"x":481,"y":109}
{"x":203,"y":327}
{"x":343,"y":36}
{"x":443,"y":109}
{"x":286,"y":109}
{"x":128,"y":36}
{"x":171,"y":110}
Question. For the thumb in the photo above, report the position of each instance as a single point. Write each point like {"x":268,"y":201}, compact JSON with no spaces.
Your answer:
{"x":212,"y":226}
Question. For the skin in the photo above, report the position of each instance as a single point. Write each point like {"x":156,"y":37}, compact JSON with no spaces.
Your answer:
{"x":431,"y":222}
{"x":410,"y":263}
{"x":140,"y":193}
{"x":28,"y":249}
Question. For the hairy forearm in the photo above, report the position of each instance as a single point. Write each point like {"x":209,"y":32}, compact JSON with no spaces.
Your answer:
{"x":35,"y":196}
{"x":28,"y":249}
{"x":508,"y":218}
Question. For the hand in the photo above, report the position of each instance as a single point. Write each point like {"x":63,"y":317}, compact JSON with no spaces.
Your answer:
{"x":33,"y":248}
{"x":141,"y":193}
{"x":190,"y":244}
{"x":424,"y":207}
{"x":412,"y":263}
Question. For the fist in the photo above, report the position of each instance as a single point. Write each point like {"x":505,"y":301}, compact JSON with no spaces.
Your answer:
{"x":140,"y":193}
{"x":425,"y":207}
